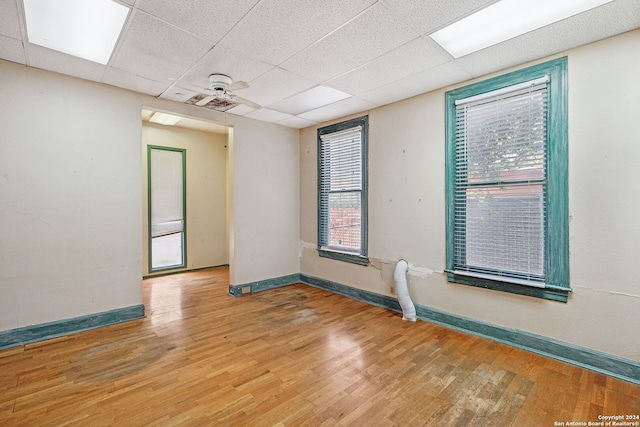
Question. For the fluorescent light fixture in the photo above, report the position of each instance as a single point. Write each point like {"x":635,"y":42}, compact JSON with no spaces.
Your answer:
{"x":308,"y":100}
{"x":505,"y":20}
{"x":87,"y":29}
{"x":164,"y":119}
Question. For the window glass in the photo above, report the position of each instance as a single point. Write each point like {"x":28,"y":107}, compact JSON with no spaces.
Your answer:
{"x":342,"y":192}
{"x":507,"y":182}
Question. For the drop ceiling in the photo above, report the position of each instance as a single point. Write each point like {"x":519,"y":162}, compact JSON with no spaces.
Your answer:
{"x":305,"y":61}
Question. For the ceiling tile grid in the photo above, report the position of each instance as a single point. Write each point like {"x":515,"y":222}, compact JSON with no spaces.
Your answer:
{"x":417,"y":55}
{"x":116,"y":77}
{"x":275,"y":85}
{"x":156,"y":50}
{"x":47,"y":59}
{"x":296,"y":122}
{"x":268,"y":115}
{"x":241,"y":110}
{"x":338,"y":109}
{"x":311,"y":99}
{"x":305,"y":61}
{"x":592,"y":25}
{"x":425,"y":81}
{"x":372,"y":34}
{"x":276,"y":30}
{"x":430,"y":15}
{"x":222,"y":59}
{"x":210,"y":20}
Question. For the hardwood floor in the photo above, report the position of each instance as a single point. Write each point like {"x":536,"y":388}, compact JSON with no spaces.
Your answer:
{"x":292,"y":356}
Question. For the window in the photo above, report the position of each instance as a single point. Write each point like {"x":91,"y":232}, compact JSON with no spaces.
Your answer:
{"x":342,"y":191}
{"x":167,"y":190}
{"x":507,"y":186}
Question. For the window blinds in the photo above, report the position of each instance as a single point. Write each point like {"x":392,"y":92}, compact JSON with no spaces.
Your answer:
{"x":167,"y":213}
{"x":341,"y":184}
{"x":500,"y":184}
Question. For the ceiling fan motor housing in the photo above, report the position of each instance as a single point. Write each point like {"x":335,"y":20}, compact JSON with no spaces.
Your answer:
{"x":219,"y":81}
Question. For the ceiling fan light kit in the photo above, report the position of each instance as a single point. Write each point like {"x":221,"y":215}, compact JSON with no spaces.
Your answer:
{"x":219,"y":81}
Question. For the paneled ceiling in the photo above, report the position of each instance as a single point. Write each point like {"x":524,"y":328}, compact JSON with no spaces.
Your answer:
{"x":294,"y":53}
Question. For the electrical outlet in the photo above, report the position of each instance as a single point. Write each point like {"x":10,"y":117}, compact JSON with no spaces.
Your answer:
{"x":246,"y":289}
{"x":392,"y":289}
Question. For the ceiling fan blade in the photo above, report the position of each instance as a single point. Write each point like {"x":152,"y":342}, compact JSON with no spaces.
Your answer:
{"x":237,"y":86}
{"x":205,"y":100}
{"x":245,"y":102}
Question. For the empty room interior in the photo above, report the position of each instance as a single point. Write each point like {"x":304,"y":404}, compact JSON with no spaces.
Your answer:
{"x":319,"y":213}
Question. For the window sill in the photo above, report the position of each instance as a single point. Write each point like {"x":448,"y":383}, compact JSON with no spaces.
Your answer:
{"x":343,"y":256}
{"x":555,"y":294}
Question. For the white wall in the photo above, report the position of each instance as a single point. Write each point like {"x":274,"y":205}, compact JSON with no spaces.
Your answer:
{"x":264,"y":201}
{"x":71,"y":234}
{"x":207,"y":242}
{"x":407,"y":208}
{"x":70,"y":229}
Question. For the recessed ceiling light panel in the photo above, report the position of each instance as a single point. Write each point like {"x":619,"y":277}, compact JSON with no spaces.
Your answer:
{"x":309,"y":100}
{"x":505,"y":20}
{"x":164,"y":119}
{"x":87,"y":29}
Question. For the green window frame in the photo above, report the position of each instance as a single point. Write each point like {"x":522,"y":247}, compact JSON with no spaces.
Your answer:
{"x":342,"y":191}
{"x":170,"y":225}
{"x":484,"y":177}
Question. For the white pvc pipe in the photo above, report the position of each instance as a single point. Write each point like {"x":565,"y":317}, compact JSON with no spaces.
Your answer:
{"x":400,"y":276}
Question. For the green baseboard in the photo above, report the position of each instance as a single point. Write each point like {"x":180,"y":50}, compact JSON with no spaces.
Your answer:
{"x":608,"y":364}
{"x":45,"y":331}
{"x":262,"y":285}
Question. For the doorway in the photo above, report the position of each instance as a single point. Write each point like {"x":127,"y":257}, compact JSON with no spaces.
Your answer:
{"x":185,"y":199}
{"x":167,"y":205}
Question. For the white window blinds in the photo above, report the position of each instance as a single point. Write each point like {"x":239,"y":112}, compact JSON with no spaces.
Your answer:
{"x":341,"y":189}
{"x":500,"y":184}
{"x":167,"y":205}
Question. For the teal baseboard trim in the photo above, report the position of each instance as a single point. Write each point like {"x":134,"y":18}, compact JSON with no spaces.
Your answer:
{"x":262,"y":285}
{"x":608,"y":364}
{"x":59,"y":328}
{"x":354,"y":293}
{"x":170,"y":273}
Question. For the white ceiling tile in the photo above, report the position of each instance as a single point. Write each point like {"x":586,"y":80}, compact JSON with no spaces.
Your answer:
{"x":309,"y":100}
{"x":178,"y":93}
{"x":595,"y":24}
{"x":426,"y":81}
{"x":297,"y":122}
{"x":267,"y":115}
{"x":204,"y":18}
{"x":52,"y":60}
{"x":9,"y":19}
{"x":276,"y":30}
{"x":430,"y":15}
{"x":12,"y":50}
{"x":370,"y":35}
{"x":275,"y":85}
{"x":156,"y":50}
{"x":240,"y":110}
{"x":339,"y":109}
{"x":418,"y":55}
{"x":123,"y":79}
{"x":224,"y":60}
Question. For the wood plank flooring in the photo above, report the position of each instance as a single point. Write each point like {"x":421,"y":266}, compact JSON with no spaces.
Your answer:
{"x":292,"y":356}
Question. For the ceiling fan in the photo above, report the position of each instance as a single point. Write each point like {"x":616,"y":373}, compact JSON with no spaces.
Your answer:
{"x":220,"y":92}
